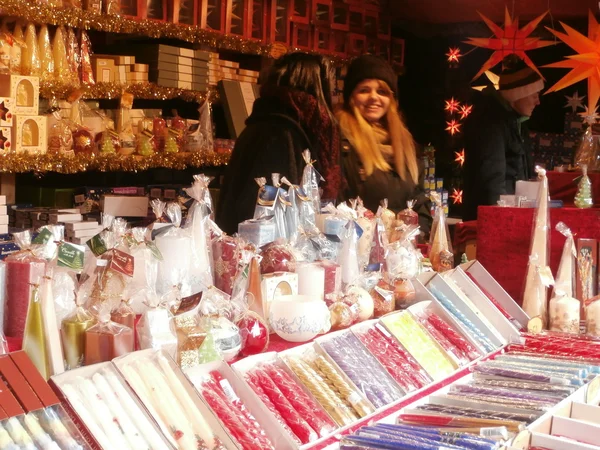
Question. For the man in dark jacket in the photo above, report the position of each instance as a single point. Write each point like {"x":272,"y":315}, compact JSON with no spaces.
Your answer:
{"x":497,"y":146}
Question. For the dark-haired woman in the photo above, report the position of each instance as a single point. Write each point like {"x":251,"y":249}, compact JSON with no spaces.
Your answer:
{"x":292,"y":114}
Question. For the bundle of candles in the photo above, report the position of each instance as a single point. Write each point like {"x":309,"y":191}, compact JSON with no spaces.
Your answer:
{"x":500,"y":399}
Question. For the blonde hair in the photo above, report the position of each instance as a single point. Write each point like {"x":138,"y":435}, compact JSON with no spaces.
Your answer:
{"x":362,"y":137}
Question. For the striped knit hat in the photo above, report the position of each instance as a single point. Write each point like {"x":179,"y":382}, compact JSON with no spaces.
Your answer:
{"x":518,"y":80}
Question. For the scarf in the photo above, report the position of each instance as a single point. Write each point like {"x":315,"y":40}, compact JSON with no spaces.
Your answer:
{"x":384,"y":143}
{"x":322,"y":131}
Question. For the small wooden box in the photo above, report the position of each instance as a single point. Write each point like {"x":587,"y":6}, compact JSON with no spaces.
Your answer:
{"x":322,"y":12}
{"x":29,"y":134}
{"x":279,"y":22}
{"x":185,"y":12}
{"x":6,"y":112}
{"x":340,"y":19}
{"x":301,"y":36}
{"x":24,"y":91}
{"x":357,"y":44}
{"x":258,"y":19}
{"x":322,"y":40}
{"x":104,"y":70}
{"x":299,"y":11}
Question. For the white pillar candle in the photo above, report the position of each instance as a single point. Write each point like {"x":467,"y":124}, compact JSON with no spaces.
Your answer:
{"x":593,"y":318}
{"x":564,"y":314}
{"x":176,"y":250}
{"x":311,"y":280}
{"x":365,"y":242}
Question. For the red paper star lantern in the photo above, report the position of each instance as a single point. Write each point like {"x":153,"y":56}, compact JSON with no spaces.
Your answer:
{"x":452,"y":105}
{"x":460,"y":157}
{"x":508,"y":40}
{"x":453,"y":54}
{"x":465,"y":110}
{"x":453,"y":127}
{"x":457,"y":196}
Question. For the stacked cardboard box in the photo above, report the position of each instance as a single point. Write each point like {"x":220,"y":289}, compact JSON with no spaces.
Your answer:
{"x":220,"y":69}
{"x":175,"y":67}
{"x":119,"y":69}
{"x":81,"y":232}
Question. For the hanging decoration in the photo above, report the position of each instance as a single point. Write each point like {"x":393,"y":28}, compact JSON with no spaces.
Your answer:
{"x":585,"y":64}
{"x":590,"y":117}
{"x":492,"y":78}
{"x":508,"y":40}
{"x":574,"y":102}
{"x":453,"y":127}
{"x":460,"y":157}
{"x":452,"y":105}
{"x":453,"y":54}
{"x":457,"y":196}
{"x":465,"y":110}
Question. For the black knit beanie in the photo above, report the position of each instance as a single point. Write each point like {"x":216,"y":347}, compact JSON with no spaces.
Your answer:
{"x":368,"y":67}
{"x":517,"y":79}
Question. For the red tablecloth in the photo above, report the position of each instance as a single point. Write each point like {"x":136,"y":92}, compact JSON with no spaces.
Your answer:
{"x":562,"y":187}
{"x":504,"y":235}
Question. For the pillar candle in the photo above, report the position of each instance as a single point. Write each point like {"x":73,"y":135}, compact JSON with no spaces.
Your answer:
{"x":333,"y":276}
{"x":311,"y":280}
{"x":564,"y":314}
{"x":365,"y":242}
{"x":20,"y":274}
{"x":73,"y":330}
{"x":107,"y":340}
{"x":348,"y":257}
{"x":593,"y":318}
{"x":46,"y":58}
{"x":177,"y":255}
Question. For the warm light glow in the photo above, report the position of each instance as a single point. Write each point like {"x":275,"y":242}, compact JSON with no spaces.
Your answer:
{"x":460,"y":157}
{"x":508,"y":40}
{"x":457,"y":196}
{"x":453,"y":127}
{"x":453,"y":54}
{"x":465,"y":110}
{"x":452,"y":105}
{"x":585,"y":64}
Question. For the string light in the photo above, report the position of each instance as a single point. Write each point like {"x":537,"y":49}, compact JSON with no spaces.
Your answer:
{"x":465,"y":110}
{"x":453,"y":127}
{"x":452,"y":105}
{"x":457,"y":196}
{"x":453,"y":54}
{"x":460,"y":157}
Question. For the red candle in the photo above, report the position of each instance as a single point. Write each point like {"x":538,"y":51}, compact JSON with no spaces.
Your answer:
{"x":106,"y":341}
{"x":20,"y":274}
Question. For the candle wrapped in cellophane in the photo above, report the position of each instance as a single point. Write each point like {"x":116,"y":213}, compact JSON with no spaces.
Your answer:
{"x":106,"y":339}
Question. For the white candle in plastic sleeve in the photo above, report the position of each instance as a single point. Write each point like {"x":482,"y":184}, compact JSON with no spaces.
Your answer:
{"x":564,"y":314}
{"x":593,"y":318}
{"x":176,"y":251}
{"x":311,"y":280}
{"x":535,"y":296}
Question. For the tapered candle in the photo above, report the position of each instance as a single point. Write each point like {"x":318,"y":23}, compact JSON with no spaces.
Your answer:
{"x":535,"y":296}
{"x":563,"y":285}
{"x":56,"y":362}
{"x":46,"y":57}
{"x":33,"y":336}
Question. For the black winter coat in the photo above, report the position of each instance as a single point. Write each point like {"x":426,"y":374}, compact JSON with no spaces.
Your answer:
{"x":497,"y":152}
{"x":381,"y":185}
{"x":272,"y":142}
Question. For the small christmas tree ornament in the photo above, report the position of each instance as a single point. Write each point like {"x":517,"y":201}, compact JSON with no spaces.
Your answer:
{"x":583,"y":197}
{"x":144,"y":143}
{"x":171,"y":144}
{"x":588,"y":152}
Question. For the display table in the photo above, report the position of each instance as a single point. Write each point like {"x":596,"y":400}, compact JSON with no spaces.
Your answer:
{"x":504,"y":235}
{"x":563,"y":187}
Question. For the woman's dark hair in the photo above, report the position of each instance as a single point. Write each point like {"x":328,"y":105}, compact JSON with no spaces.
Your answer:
{"x":312,"y":74}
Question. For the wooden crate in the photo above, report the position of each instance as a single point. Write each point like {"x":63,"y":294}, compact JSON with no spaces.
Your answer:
{"x":322,"y":40}
{"x":322,"y":12}
{"x":258,"y":19}
{"x":213,"y":14}
{"x":340,"y":19}
{"x":299,"y":11}
{"x":237,"y":18}
{"x":185,"y":12}
{"x":279,"y":21}
{"x":356,"y":18}
{"x":155,"y":10}
{"x":301,"y":36}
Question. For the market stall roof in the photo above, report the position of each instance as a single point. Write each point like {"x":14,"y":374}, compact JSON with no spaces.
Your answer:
{"x":460,"y":11}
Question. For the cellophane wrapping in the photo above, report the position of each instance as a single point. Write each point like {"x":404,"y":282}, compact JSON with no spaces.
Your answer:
{"x":142,"y":287}
{"x":107,"y":340}
{"x":232,"y":412}
{"x":401,"y":366}
{"x":362,"y":368}
{"x":73,"y":328}
{"x":402,"y":258}
{"x":106,"y":405}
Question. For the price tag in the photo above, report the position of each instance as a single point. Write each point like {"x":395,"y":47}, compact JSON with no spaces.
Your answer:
{"x":71,"y":256}
{"x":122,"y":262}
{"x":43,"y":237}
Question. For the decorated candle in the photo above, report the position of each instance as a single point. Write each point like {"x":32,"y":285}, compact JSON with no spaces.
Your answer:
{"x":20,"y":275}
{"x":177,"y":255}
{"x":565,"y":276}
{"x":73,"y":330}
{"x":593,"y":318}
{"x":311,"y":280}
{"x":333,"y":276}
{"x":564,"y":314}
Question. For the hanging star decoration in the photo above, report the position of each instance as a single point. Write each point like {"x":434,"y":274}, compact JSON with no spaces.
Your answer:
{"x":574,"y":102}
{"x":508,"y":40}
{"x":590,"y":117}
{"x":493,"y":78}
{"x":453,"y":54}
{"x":4,"y":112}
{"x":457,"y":196}
{"x":453,"y":127}
{"x":465,"y":110}
{"x":460,"y":157}
{"x":3,"y":141}
{"x":452,"y":105}
{"x":585,"y":64}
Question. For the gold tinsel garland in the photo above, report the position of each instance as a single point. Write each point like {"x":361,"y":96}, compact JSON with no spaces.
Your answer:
{"x":144,"y":91}
{"x":33,"y":11}
{"x":36,"y":12}
{"x":67,"y":164}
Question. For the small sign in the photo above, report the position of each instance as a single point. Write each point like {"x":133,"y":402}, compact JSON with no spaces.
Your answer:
{"x":71,"y":256}
{"x":97,"y":245}
{"x":122,"y":262}
{"x":43,"y":237}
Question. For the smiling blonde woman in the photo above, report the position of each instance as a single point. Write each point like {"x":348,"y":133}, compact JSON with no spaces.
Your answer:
{"x":379,"y":158}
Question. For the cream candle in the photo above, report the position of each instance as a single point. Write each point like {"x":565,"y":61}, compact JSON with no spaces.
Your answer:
{"x":311,"y":280}
{"x":564,"y":314}
{"x":593,"y":318}
{"x":176,"y":251}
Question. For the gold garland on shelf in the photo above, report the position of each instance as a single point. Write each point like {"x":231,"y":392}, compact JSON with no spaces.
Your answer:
{"x":68,"y":164}
{"x":145,"y":91}
{"x":36,"y":12}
